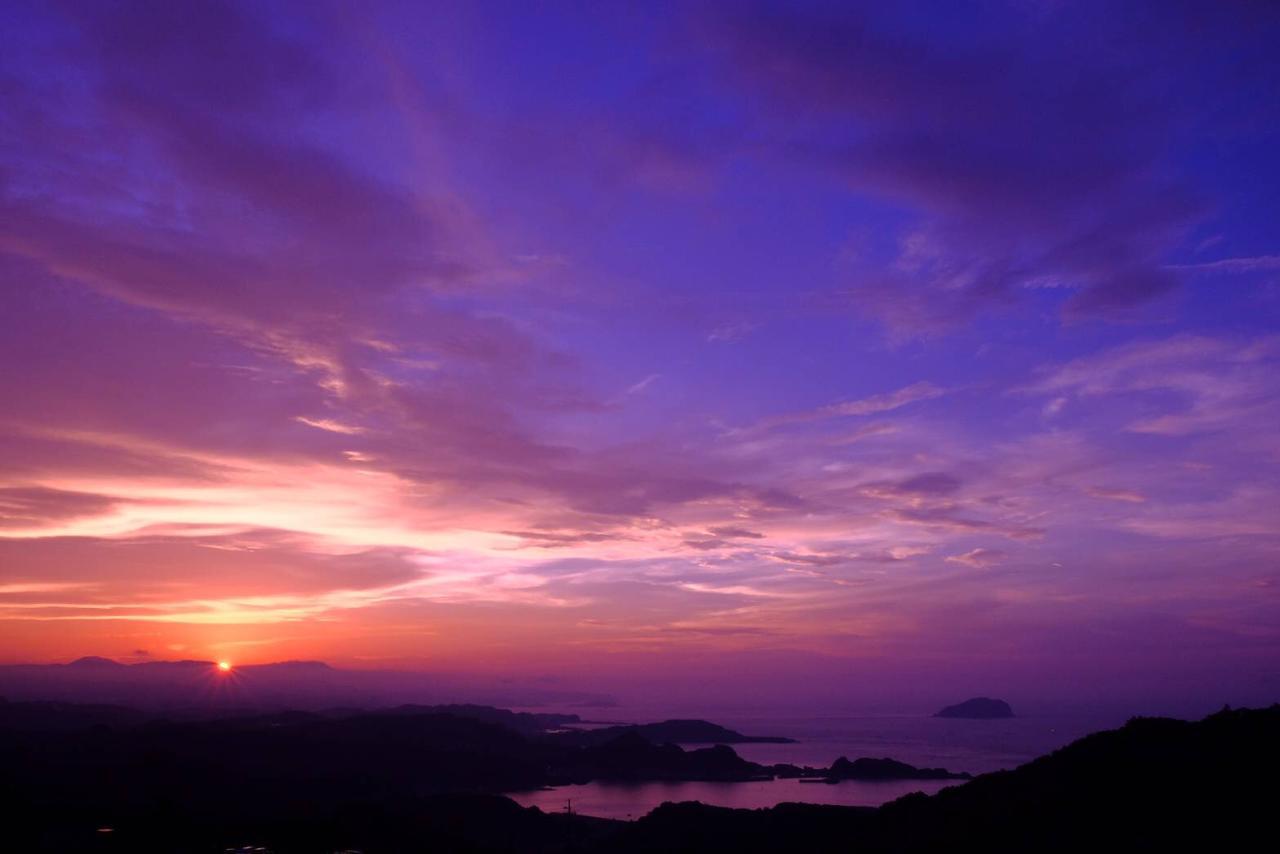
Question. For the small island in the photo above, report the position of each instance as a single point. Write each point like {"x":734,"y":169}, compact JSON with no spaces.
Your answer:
{"x":887,"y":769}
{"x":979,"y":708}
{"x":865,"y":769}
{"x":677,"y":731}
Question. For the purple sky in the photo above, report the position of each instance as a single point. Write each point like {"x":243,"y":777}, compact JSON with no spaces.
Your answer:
{"x":885,"y":344}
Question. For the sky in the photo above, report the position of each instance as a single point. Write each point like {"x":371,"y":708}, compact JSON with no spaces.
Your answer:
{"x":856,"y":346}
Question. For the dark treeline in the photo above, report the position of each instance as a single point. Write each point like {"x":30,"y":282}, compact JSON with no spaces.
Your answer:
{"x":414,"y":780}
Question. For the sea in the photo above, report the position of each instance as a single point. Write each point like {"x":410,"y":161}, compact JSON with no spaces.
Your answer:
{"x":975,"y":746}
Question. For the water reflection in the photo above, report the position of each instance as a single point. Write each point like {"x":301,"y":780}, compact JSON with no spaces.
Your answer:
{"x":633,"y":800}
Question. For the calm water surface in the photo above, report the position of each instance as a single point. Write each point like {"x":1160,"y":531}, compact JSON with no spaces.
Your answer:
{"x":926,"y":742}
{"x":957,"y":745}
{"x":632,"y":800}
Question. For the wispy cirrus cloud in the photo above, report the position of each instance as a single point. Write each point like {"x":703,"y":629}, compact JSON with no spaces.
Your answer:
{"x":886,"y":402}
{"x":978,"y":558}
{"x":1192,"y":384}
{"x":322,"y":322}
{"x":979,"y":139}
{"x":1252,"y":264}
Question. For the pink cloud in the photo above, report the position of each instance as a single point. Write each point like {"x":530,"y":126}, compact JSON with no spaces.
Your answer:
{"x":979,"y":558}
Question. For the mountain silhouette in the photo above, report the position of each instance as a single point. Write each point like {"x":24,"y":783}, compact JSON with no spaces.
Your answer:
{"x":403,"y":780}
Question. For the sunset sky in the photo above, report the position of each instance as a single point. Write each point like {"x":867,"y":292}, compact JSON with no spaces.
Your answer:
{"x":836,"y":340}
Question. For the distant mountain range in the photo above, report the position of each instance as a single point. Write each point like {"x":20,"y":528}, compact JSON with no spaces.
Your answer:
{"x":196,"y":687}
{"x":66,"y":747}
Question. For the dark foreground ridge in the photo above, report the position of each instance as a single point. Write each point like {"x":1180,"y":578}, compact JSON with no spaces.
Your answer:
{"x":404,"y":781}
{"x":979,"y":708}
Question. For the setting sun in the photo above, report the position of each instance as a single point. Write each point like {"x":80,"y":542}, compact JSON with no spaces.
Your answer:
{"x":224,"y":666}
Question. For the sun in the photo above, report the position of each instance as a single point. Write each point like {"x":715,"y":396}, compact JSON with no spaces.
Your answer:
{"x":224,"y":666}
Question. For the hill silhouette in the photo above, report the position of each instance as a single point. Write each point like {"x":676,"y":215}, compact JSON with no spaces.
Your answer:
{"x":1155,"y":784}
{"x":404,"y":780}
